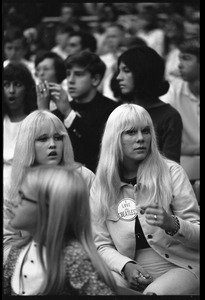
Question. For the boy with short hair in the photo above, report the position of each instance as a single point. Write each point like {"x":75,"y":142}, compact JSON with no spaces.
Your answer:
{"x":15,"y":48}
{"x":85,"y":116}
{"x":184,"y":95}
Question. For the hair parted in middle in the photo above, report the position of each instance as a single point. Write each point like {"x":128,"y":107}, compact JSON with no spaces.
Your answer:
{"x":153,"y":172}
{"x":24,"y":154}
{"x":62,"y":195}
{"x":147,"y":67}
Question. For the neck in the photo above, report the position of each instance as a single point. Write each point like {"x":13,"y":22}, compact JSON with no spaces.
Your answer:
{"x":87,"y":98}
{"x":195,"y":87}
{"x":129,"y":170}
{"x":16,"y":116}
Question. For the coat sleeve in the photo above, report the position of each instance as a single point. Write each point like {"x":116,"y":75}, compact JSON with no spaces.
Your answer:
{"x":185,"y":206}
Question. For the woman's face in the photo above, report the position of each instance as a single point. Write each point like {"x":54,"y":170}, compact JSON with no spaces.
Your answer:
{"x":14,"y":94}
{"x":125,"y":79}
{"x":45,"y":70}
{"x":48,"y":146}
{"x":136,"y":144}
{"x":24,"y":213}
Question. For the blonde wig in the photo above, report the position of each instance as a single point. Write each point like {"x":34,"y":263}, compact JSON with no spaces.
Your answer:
{"x":152,"y":174}
{"x":63,"y":215}
{"x":24,"y":154}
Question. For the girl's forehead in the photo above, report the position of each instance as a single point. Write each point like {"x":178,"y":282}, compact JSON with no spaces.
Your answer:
{"x":46,"y":127}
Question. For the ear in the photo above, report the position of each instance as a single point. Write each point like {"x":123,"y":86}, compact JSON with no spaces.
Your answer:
{"x":96,"y":80}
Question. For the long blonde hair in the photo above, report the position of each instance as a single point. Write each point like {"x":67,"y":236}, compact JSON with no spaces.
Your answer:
{"x":63,"y":215}
{"x":24,"y":154}
{"x":153,"y":172}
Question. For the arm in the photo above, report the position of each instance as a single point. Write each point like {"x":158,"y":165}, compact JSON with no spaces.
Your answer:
{"x":186,"y":208}
{"x":172,"y":136}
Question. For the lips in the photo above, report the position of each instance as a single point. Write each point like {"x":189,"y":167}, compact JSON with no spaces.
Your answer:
{"x":52,"y":153}
{"x":11,"y":99}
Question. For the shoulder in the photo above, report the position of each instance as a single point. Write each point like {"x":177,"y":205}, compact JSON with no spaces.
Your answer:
{"x":175,"y":169}
{"x":87,"y":174}
{"x":106,"y":102}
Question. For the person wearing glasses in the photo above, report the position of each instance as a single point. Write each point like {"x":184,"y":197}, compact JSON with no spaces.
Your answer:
{"x":58,"y":256}
{"x":145,"y":213}
{"x":42,"y":140}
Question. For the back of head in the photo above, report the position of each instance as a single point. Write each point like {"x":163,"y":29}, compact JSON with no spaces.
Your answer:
{"x":147,"y":67}
{"x":63,"y":216}
{"x":87,"y":60}
{"x":62,"y":191}
{"x":191,"y":46}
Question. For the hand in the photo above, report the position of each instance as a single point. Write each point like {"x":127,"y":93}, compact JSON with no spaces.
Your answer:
{"x":155,"y":215}
{"x":136,"y":276}
{"x":43,"y":95}
{"x":60,"y":97}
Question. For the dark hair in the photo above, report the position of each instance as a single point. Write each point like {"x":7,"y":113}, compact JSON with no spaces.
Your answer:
{"x":88,"y":60}
{"x":64,"y":28}
{"x":18,"y":71}
{"x":148,"y":68}
{"x":13,"y":34}
{"x":191,"y":46}
{"x":88,"y":41}
{"x":58,"y":63}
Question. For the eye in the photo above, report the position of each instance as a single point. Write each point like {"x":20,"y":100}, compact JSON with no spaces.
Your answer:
{"x":18,"y":83}
{"x":58,"y":137}
{"x":146,"y":130}
{"x":42,"y":139}
{"x":6,"y":84}
{"x":131,"y":131}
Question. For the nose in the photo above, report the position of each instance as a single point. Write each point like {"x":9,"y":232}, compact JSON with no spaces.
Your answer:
{"x":119,"y":76}
{"x":11,"y":88}
{"x":71,"y":78}
{"x":139,"y":136}
{"x":52,"y":144}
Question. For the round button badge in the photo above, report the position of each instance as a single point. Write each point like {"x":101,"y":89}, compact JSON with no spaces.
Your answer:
{"x":127,"y":209}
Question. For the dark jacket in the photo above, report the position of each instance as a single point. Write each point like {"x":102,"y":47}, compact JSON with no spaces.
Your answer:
{"x":86,"y":131}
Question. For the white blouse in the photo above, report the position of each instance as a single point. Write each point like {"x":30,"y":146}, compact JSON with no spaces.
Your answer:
{"x":28,"y":275}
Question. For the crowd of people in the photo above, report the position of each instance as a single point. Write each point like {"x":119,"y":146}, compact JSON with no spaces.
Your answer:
{"x":101,"y":149}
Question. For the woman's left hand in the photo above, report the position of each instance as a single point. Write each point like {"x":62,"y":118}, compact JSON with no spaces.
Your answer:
{"x":156,"y":216}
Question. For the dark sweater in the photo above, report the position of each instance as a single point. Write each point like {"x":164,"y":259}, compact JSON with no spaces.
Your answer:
{"x":168,"y":127}
{"x":86,"y":131}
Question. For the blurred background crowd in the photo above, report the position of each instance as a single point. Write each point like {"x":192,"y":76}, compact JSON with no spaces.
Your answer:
{"x":47,"y":27}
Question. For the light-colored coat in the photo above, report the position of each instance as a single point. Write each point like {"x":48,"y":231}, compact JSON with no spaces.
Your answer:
{"x":116,"y":241}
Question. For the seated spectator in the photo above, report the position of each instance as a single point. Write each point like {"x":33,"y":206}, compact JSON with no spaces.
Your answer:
{"x":114,"y":35}
{"x":145,"y":213}
{"x":50,"y":68}
{"x":15,"y":48}
{"x":141,"y":81}
{"x":19,"y":100}
{"x":184,"y":95}
{"x":174,"y":35}
{"x":85,"y":116}
{"x":80,"y":41}
{"x":61,"y":39}
{"x":42,"y":140}
{"x":65,"y":260}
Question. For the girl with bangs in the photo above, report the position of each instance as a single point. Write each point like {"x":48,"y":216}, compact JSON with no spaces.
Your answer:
{"x":19,"y":99}
{"x":42,"y":140}
{"x":145,"y":213}
{"x":58,"y":255}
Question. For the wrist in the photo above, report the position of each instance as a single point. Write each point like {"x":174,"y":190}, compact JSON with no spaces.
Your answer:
{"x":176,"y":226}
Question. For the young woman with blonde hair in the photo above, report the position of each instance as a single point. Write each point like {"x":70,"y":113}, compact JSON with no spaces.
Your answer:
{"x":58,"y":257}
{"x":145,"y":213}
{"x":42,"y":140}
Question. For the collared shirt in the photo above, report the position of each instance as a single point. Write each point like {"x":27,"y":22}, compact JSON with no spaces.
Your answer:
{"x":188,"y":105}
